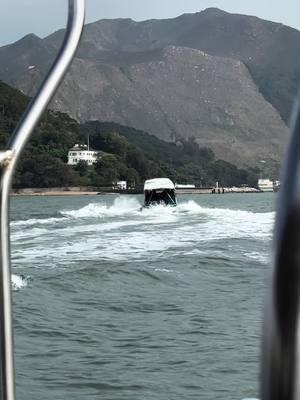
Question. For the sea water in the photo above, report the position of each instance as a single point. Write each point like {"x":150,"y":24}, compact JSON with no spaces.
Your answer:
{"x":111,"y":302}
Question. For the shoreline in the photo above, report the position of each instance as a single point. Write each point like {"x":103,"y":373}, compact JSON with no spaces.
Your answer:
{"x":55,"y":193}
{"x":91,"y":191}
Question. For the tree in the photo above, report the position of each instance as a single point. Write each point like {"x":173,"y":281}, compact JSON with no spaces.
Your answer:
{"x":132,"y":178}
{"x":81,"y":167}
{"x":107,"y":169}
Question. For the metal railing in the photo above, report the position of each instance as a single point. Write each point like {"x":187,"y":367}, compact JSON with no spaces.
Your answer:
{"x":281,"y":343}
{"x":8,"y":162}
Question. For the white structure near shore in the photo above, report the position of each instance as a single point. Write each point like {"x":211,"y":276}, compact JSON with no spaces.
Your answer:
{"x":121,"y":185}
{"x":181,"y":186}
{"x":265,"y":185}
{"x":82,"y":153}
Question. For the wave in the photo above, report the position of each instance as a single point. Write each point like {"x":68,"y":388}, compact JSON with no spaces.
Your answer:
{"x":263,"y":258}
{"x":35,"y":221}
{"x":19,"y":281}
{"x":121,"y":206}
{"x":121,"y":231}
{"x":124,"y":206}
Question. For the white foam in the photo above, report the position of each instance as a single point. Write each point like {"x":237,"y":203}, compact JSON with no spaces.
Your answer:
{"x":255,"y":255}
{"x":162,"y":270}
{"x":190,"y":207}
{"x":18,"y":282}
{"x":35,"y":221}
{"x":123,"y":206}
{"x":120,"y":206}
{"x":121,"y":231}
{"x":228,"y":223}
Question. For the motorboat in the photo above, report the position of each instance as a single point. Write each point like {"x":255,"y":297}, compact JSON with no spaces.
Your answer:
{"x":265,"y":185}
{"x":159,"y":191}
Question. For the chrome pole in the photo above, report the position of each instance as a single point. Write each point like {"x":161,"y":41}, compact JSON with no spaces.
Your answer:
{"x":8,"y":162}
{"x":281,"y":342}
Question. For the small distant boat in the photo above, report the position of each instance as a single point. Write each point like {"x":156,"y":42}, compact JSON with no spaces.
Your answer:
{"x":159,"y":191}
{"x":265,"y":185}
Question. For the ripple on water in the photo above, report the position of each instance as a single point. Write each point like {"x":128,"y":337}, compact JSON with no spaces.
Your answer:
{"x":140,"y":304}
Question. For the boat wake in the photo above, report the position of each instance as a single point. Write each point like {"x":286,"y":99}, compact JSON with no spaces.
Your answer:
{"x":126,"y":207}
{"x":127,"y":212}
{"x":35,"y":221}
{"x":121,"y":206}
{"x":120,"y":231}
{"x":189,"y":211}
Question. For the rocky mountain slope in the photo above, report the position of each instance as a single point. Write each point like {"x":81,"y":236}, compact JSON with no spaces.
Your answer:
{"x":127,"y":154}
{"x":225,"y":79}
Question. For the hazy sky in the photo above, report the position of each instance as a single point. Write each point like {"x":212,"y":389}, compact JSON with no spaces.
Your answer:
{"x":42,"y":17}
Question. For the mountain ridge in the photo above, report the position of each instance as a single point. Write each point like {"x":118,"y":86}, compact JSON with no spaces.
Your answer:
{"x":117,"y":76}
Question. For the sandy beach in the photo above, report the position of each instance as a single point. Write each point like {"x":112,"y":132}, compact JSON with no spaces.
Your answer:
{"x":55,"y":193}
{"x":64,"y":191}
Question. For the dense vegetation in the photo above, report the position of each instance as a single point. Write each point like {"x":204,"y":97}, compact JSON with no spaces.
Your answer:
{"x":183,"y":162}
{"x":129,"y":154}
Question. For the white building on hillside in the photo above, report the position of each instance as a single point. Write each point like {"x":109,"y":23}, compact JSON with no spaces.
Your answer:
{"x":82,"y":153}
{"x":122,"y":185}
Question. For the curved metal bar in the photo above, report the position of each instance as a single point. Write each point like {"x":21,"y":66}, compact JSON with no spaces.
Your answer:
{"x":281,"y":346}
{"x":8,"y":162}
{"x":53,"y":79}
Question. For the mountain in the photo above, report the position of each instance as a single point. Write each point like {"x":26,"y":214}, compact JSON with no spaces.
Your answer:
{"x":226,"y":80}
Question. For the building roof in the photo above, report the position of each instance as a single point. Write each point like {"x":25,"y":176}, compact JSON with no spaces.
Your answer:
{"x":82,"y":149}
{"x":158,"y":183}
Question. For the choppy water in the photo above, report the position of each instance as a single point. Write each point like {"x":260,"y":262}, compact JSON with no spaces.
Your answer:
{"x":121,"y":304}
